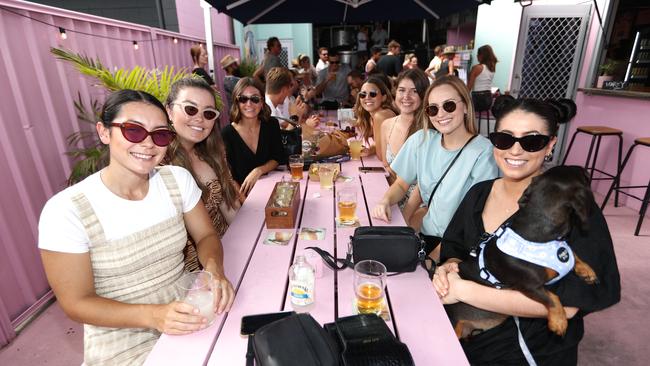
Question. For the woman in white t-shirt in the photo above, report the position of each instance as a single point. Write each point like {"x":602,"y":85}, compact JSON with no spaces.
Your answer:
{"x":112,"y":245}
{"x":480,"y":78}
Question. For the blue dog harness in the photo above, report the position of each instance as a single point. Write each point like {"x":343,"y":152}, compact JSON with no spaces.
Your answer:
{"x":555,"y":254}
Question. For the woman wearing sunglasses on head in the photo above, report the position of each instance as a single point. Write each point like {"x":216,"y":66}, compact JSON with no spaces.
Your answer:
{"x":252,"y":139}
{"x":526,"y":132}
{"x":428,"y":154}
{"x":198,"y":148}
{"x":112,"y":245}
{"x":373,"y":106}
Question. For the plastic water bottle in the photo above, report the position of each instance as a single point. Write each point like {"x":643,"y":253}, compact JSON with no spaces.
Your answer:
{"x":301,"y":284}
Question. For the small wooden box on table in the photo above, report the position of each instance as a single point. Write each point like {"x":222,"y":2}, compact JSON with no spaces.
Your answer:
{"x":282,"y":207}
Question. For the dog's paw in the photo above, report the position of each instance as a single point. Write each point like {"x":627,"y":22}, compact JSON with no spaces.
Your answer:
{"x":585,"y":272}
{"x":557,"y":324}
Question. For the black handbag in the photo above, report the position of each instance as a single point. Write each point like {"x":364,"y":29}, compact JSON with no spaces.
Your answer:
{"x":398,"y":248}
{"x":296,"y":340}
{"x":291,"y":142}
{"x":357,"y":340}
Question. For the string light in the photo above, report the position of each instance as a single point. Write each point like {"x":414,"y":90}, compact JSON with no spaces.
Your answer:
{"x":135,"y":45}
{"x":64,"y":36}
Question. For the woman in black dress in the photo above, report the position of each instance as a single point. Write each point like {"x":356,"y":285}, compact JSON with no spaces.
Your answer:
{"x":252,"y":139}
{"x":486,"y":206}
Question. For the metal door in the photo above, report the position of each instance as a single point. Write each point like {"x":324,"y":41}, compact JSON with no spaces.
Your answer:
{"x":549,"y":54}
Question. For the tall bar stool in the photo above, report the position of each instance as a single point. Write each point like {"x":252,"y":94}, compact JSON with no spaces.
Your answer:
{"x":597,"y":133}
{"x":644,"y":141}
{"x":480,"y":115}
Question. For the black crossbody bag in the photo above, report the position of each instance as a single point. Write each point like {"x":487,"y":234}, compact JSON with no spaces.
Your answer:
{"x":431,"y":242}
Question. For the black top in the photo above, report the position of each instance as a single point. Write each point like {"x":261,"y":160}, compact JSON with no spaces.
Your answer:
{"x":499,"y":345}
{"x":241,"y":159}
{"x":443,"y":70}
{"x":389,"y":65}
{"x":204,"y":74}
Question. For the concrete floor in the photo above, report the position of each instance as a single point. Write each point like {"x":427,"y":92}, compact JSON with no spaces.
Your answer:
{"x":615,"y":336}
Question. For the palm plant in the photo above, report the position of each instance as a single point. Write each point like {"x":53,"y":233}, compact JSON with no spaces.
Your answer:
{"x":247,"y":67}
{"x":88,"y":153}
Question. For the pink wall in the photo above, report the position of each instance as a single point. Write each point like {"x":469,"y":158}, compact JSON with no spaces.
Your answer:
{"x":627,"y":114}
{"x":460,"y":35}
{"x":190,"y":22}
{"x":37,"y":114}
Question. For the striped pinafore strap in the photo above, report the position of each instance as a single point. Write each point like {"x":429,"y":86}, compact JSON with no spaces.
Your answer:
{"x":140,"y":268}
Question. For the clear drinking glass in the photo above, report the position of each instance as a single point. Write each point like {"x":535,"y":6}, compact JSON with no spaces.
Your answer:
{"x":296,"y":164}
{"x":195,"y":288}
{"x":326,"y":177}
{"x":355,"y":149}
{"x":369,"y":285}
{"x":346,"y":201}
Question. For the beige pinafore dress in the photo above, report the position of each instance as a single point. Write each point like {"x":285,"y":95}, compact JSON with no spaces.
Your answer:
{"x":140,"y":268}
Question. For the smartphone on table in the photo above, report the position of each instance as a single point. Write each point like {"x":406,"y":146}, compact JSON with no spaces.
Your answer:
{"x":372,"y":169}
{"x":251,"y":323}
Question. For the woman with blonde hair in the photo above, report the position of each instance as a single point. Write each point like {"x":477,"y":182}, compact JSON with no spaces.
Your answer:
{"x":199,"y":149}
{"x":373,"y":106}
{"x":451,"y":148}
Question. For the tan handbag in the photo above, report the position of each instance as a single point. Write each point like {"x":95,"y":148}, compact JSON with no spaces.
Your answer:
{"x":329,"y":143}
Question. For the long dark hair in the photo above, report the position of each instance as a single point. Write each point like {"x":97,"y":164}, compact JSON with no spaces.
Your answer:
{"x":486,"y":56}
{"x":421,"y":82}
{"x":116,"y":100}
{"x":243,"y":83}
{"x":363,"y":116}
{"x":210,"y":150}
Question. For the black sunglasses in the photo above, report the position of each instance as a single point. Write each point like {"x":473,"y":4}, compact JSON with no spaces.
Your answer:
{"x":135,"y":133}
{"x":530,"y":143}
{"x":243,"y":99}
{"x":335,"y":62}
{"x":363,"y":94}
{"x":433,"y":109}
{"x":191,"y":110}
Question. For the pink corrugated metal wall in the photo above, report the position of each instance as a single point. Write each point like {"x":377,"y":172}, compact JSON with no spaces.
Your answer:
{"x":36,"y":115}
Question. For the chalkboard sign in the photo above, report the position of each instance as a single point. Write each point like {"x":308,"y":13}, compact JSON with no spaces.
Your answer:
{"x":614,"y":85}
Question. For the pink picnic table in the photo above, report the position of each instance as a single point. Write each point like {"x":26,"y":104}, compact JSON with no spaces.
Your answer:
{"x":259,"y":274}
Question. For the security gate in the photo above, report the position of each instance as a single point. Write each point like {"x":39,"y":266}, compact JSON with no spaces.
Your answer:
{"x":549,"y":53}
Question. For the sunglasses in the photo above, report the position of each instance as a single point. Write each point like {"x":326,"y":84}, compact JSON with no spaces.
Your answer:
{"x":530,"y":143}
{"x":363,"y":94}
{"x":135,"y":133}
{"x":243,"y":99}
{"x":335,"y":62}
{"x":433,"y":109}
{"x":190,"y":110}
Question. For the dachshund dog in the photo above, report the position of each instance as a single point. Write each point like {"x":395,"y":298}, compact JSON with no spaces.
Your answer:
{"x":520,"y":254}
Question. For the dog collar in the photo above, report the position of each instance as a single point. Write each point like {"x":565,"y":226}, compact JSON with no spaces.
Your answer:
{"x":555,"y":254}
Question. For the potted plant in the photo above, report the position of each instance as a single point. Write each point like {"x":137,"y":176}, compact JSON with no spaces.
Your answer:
{"x":607,"y":71}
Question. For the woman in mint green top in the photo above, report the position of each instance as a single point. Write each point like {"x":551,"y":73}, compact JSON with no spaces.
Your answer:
{"x":425,"y":156}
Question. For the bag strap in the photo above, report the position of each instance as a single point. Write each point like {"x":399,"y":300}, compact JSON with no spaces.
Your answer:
{"x":332,"y":262}
{"x":447,"y":170}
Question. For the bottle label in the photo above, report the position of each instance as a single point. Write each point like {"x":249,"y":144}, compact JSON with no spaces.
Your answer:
{"x":302,"y":293}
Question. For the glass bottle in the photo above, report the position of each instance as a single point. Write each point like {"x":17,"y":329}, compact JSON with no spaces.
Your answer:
{"x":301,"y":284}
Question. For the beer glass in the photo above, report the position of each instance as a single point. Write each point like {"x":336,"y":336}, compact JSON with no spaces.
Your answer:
{"x":195,"y":288}
{"x":326,"y":177}
{"x":355,"y":149}
{"x":369,"y":285}
{"x":296,"y":164}
{"x":347,"y":204}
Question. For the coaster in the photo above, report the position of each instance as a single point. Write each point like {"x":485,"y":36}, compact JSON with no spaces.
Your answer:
{"x":309,"y":233}
{"x":344,"y":179}
{"x":278,"y":238}
{"x":385,"y":314}
{"x":347,"y":223}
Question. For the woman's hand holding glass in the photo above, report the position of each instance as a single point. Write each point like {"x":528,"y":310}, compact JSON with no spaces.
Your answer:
{"x":224,"y":294}
{"x":177,"y":318}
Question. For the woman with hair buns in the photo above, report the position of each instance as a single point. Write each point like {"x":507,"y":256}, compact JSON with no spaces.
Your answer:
{"x":426,"y":155}
{"x":524,"y":137}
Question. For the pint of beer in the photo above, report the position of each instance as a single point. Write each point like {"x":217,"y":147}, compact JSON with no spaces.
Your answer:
{"x":355,"y":149}
{"x":296,"y":164}
{"x":347,"y":204}
{"x":369,"y":285}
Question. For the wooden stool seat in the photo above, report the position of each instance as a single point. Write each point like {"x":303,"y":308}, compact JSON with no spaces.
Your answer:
{"x":600,"y":130}
{"x":617,"y":187}
{"x":645,"y":141}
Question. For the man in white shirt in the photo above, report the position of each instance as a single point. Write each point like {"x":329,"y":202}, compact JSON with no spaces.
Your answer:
{"x":323,"y":59}
{"x":379,"y":36}
{"x":279,"y":82}
{"x":435,"y":63}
